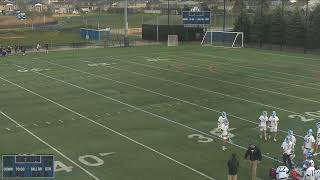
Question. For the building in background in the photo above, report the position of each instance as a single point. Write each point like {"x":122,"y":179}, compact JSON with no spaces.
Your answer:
{"x":7,"y":7}
{"x":38,"y":7}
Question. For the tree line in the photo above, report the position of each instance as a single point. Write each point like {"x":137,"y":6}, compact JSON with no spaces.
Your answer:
{"x":295,"y":27}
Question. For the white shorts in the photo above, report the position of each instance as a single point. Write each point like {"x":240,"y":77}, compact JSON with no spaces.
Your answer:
{"x":225,"y":135}
{"x":306,"y":151}
{"x":274,"y":129}
{"x":263,"y":128}
{"x":283,"y":177}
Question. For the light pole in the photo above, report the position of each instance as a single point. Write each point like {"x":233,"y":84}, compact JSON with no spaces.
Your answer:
{"x":306,"y":39}
{"x":282,"y":25}
{"x":126,"y":39}
{"x":224,"y":15}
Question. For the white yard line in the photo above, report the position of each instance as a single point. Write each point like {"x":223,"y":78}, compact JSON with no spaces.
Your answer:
{"x":300,"y":57}
{"x":154,"y":92}
{"x":279,"y":60}
{"x":109,"y":129}
{"x":255,"y":77}
{"x":214,"y":92}
{"x":47,"y":144}
{"x":233,"y":83}
{"x":275,"y":78}
{"x":134,"y":107}
{"x":249,"y":67}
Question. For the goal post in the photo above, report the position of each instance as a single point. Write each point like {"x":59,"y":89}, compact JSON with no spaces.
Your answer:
{"x":172,"y":40}
{"x":223,"y":39}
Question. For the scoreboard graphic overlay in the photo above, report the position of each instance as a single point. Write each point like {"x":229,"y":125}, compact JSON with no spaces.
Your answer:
{"x":196,"y":18}
{"x":28,"y":166}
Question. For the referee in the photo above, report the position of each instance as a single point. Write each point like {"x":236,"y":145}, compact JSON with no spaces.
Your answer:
{"x":254,"y":155}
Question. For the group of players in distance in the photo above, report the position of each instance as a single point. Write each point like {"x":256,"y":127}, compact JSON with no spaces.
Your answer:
{"x":268,"y":127}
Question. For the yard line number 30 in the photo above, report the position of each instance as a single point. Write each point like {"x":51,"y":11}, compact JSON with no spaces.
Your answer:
{"x":203,"y":139}
{"x":314,"y":116}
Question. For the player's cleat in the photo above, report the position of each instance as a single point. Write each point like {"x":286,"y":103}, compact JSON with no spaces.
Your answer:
{"x":274,"y":139}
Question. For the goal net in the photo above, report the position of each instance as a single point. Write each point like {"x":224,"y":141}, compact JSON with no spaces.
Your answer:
{"x":223,"y":39}
{"x":172,"y":40}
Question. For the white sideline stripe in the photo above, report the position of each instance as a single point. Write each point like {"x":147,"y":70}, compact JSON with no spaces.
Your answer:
{"x":45,"y":143}
{"x":134,"y":107}
{"x":233,"y":83}
{"x":275,"y":80}
{"x":154,"y":92}
{"x":215,"y":92}
{"x":105,"y":127}
{"x":249,"y":67}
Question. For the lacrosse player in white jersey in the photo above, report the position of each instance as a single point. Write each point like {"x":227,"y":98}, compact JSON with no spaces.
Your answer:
{"x":287,"y":152}
{"x":273,"y":124}
{"x":263,"y":120}
{"x":282,"y":173}
{"x":309,"y":142}
{"x":318,"y":138}
{"x":221,"y":119}
{"x":310,"y":173}
{"x":317,"y":174}
{"x":224,"y":133}
{"x":293,"y":139}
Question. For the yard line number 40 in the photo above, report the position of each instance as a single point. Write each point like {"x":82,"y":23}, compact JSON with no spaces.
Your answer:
{"x":88,"y":160}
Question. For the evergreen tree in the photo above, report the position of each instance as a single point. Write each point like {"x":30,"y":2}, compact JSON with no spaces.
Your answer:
{"x":238,"y":6}
{"x":295,"y":34}
{"x":278,"y":26}
{"x":314,"y":28}
{"x":243,"y":24}
{"x":260,"y":29}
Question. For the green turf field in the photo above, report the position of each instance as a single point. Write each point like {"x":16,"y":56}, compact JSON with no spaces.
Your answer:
{"x":146,"y":113}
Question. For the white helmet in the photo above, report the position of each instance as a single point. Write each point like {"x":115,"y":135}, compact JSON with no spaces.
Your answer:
{"x":311,"y":163}
{"x":309,"y":132}
{"x":318,"y":124}
{"x":264,"y":113}
{"x":224,"y":114}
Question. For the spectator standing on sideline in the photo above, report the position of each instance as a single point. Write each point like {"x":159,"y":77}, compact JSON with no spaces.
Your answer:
{"x":38,"y":47}
{"x":233,"y":165}
{"x":255,"y":157}
{"x":23,"y":50}
{"x":46,"y":46}
{"x":16,"y":48}
{"x":9,"y":49}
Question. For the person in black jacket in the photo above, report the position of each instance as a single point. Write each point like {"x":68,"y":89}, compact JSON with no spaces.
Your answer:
{"x":233,"y":165}
{"x":255,"y":157}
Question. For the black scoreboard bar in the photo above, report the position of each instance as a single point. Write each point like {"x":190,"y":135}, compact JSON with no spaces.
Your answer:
{"x":28,"y":166}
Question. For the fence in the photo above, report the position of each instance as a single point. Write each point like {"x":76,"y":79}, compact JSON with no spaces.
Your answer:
{"x":161,"y":32}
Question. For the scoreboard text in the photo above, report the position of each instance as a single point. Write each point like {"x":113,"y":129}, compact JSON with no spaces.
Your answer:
{"x":41,"y":166}
{"x":196,"y":18}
